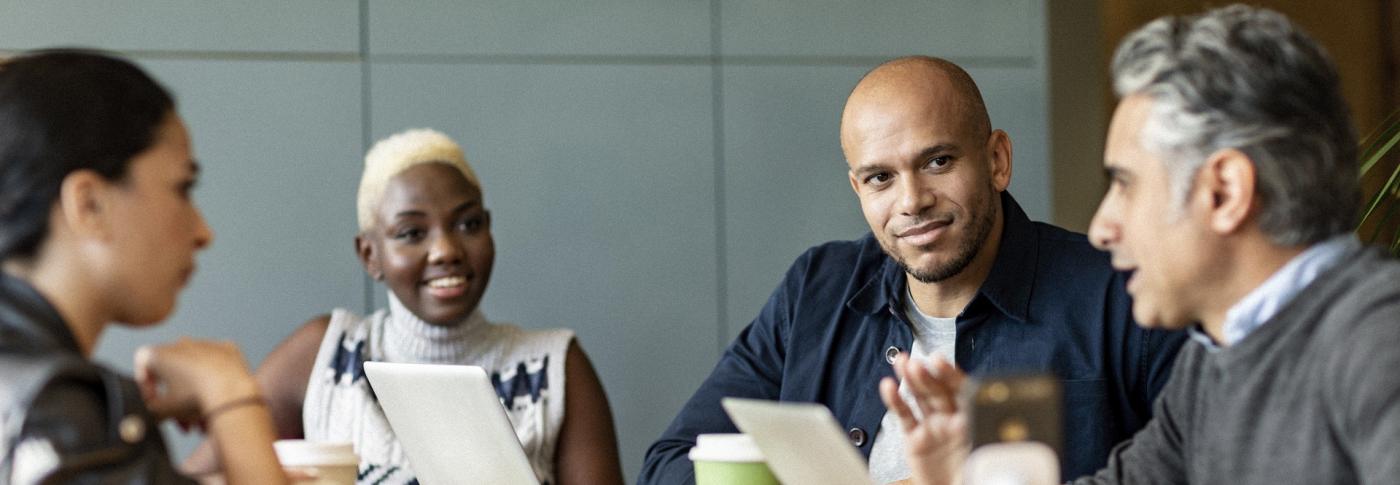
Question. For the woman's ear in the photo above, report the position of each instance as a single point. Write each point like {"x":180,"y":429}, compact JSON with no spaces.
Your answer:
{"x":369,"y":256}
{"x":84,"y":200}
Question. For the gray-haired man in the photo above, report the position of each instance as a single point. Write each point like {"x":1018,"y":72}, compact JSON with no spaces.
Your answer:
{"x":1232,"y":166}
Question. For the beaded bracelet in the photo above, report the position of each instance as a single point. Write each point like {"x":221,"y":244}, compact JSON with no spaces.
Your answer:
{"x":253,"y":400}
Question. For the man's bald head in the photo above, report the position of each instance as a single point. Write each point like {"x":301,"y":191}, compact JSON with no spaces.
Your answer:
{"x":919,"y":82}
{"x":927,"y":167}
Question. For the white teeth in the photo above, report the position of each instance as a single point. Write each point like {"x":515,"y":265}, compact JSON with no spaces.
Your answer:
{"x":447,"y":282}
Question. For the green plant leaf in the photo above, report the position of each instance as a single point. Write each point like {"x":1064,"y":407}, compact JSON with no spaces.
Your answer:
{"x":1374,"y":148}
{"x":1391,"y":123}
{"x":1390,"y":212}
{"x":1395,"y":246}
{"x":1381,"y":194}
{"x":1378,"y":150}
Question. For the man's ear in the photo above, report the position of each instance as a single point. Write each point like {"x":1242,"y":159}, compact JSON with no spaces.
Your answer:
{"x":1228,"y":178}
{"x":84,"y":202}
{"x":855,"y":185}
{"x":999,"y":154}
{"x":369,"y":256}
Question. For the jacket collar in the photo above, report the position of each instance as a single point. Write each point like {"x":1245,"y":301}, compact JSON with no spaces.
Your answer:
{"x":25,"y":312}
{"x":1008,"y":286}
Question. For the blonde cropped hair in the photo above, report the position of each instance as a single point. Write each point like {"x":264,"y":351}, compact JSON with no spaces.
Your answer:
{"x":399,"y":152}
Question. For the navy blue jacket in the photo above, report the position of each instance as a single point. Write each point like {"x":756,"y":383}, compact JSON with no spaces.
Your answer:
{"x":1051,"y":304}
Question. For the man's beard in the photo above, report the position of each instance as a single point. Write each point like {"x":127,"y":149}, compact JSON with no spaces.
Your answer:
{"x":962,"y":256}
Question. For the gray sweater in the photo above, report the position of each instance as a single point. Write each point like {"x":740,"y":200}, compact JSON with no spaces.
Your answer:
{"x":1312,"y":396}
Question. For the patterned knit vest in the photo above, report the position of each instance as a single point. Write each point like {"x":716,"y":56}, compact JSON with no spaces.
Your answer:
{"x":526,"y":368}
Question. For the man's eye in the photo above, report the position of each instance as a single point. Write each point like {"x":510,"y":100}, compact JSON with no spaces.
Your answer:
{"x":411,"y":233}
{"x":940,"y":162}
{"x":878,"y":178}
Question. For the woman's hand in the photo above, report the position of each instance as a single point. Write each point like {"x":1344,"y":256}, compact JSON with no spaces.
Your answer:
{"x":187,"y":378}
{"x":935,"y":437}
{"x":207,"y":384}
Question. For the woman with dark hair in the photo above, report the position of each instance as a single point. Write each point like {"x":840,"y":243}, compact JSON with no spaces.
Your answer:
{"x":97,"y":227}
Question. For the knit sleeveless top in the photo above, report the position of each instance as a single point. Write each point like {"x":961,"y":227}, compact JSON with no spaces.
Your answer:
{"x":526,"y":368}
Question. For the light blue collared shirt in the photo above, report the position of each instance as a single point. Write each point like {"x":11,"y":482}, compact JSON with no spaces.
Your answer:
{"x":1260,"y":305}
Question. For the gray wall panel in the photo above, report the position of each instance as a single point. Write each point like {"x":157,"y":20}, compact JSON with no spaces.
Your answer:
{"x":785,"y":176}
{"x":601,"y":186}
{"x":804,"y":28}
{"x":278,"y":144}
{"x":1015,"y":99}
{"x":555,"y":27}
{"x":256,"y":25}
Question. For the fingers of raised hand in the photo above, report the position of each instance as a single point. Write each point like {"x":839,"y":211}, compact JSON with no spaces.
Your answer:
{"x":889,"y":392}
{"x":948,"y":372}
{"x":927,"y":388}
{"x":900,"y":361}
{"x":145,"y":378}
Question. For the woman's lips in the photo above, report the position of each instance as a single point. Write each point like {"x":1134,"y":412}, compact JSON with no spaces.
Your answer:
{"x":447,"y":287}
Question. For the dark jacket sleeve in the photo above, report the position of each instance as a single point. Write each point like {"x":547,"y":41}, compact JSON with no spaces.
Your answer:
{"x":1155,"y":455}
{"x":1151,"y":352}
{"x":751,"y":367}
{"x":1156,"y":356}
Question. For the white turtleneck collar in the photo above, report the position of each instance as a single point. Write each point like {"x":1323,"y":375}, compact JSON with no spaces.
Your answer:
{"x":408,"y":338}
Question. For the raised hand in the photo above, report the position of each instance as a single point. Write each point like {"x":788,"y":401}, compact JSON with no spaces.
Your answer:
{"x":935,"y":431}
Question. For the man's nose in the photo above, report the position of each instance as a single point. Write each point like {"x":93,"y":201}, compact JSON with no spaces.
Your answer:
{"x":915,"y":195}
{"x":1103,"y":229}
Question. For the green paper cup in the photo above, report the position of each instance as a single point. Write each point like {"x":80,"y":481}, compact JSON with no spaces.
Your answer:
{"x":729,"y":459}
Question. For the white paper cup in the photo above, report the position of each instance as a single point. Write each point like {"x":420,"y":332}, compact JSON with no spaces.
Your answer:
{"x":327,"y":463}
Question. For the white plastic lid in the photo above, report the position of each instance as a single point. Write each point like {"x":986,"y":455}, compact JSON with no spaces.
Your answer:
{"x":303,"y":453}
{"x":725,"y":447}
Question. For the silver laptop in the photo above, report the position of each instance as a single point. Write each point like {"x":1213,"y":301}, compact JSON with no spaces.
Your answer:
{"x":800,"y":441}
{"x":451,"y":424}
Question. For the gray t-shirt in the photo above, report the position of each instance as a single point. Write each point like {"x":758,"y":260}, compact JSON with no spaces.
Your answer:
{"x":931,"y":335}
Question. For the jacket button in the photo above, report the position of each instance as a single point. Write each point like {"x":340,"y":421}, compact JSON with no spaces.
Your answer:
{"x":132,"y":429}
{"x":890,"y":354}
{"x":857,"y":436}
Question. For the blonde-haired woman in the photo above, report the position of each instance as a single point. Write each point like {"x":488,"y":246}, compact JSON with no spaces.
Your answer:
{"x":425,"y":234}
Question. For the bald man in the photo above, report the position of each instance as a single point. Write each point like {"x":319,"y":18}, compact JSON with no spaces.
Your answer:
{"x":952,"y":266}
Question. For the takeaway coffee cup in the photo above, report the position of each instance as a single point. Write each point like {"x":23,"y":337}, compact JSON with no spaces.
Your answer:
{"x":729,"y":459}
{"x":323,"y":463}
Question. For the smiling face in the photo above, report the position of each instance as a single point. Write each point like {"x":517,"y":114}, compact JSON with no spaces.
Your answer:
{"x":431,"y":243}
{"x":1164,"y":246}
{"x":927,"y":173}
{"x":155,"y":228}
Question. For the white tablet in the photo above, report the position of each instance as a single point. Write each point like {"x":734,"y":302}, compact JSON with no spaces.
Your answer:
{"x":800,"y":441}
{"x":451,"y":424}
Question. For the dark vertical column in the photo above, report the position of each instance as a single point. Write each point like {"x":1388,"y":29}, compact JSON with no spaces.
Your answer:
{"x":365,"y":125}
{"x":717,"y":112}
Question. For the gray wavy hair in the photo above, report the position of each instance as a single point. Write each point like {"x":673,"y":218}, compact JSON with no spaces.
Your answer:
{"x":1247,"y":78}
